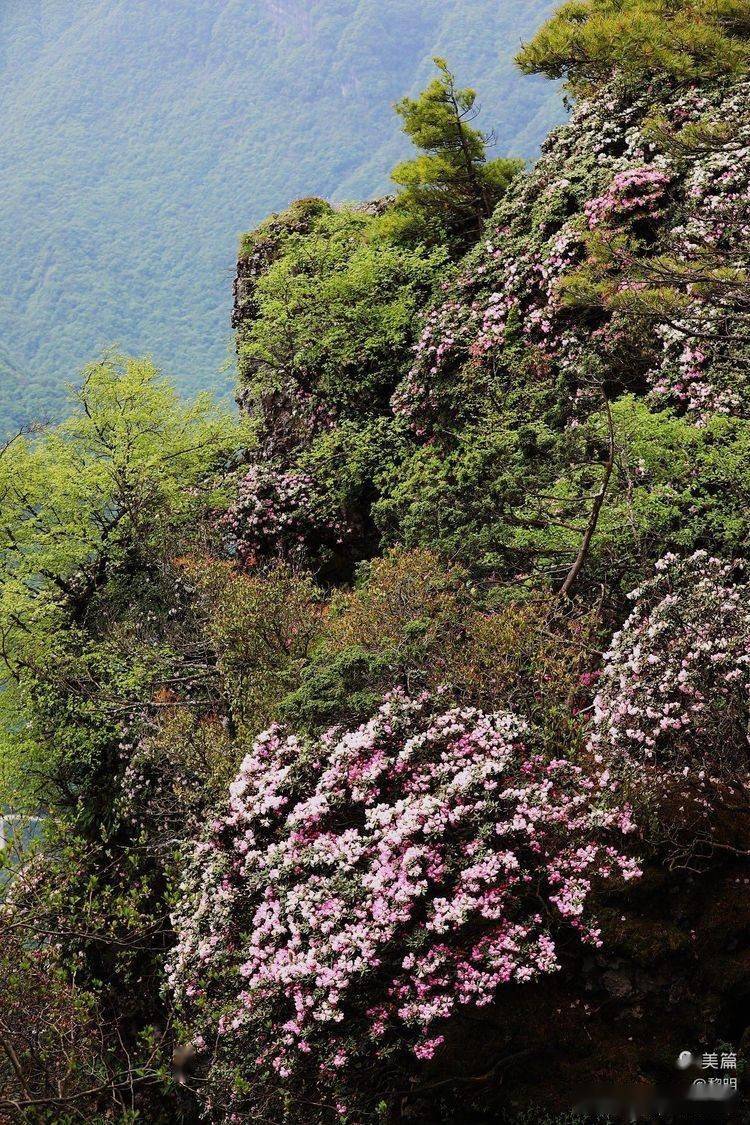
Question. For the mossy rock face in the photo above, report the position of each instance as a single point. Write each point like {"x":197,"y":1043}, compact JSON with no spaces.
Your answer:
{"x":259,"y":249}
{"x":298,"y":218}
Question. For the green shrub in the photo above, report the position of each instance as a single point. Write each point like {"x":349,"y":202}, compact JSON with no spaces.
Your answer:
{"x":417,"y":623}
{"x":335,"y":311}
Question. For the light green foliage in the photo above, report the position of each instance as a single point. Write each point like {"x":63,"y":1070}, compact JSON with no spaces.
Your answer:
{"x":468,"y":499}
{"x":515,"y":499}
{"x":124,"y":466}
{"x":675,"y":486}
{"x":97,"y":636}
{"x":450,"y":190}
{"x":262,"y":627}
{"x":685,"y":39}
{"x":336,"y":311}
{"x":93,"y":502}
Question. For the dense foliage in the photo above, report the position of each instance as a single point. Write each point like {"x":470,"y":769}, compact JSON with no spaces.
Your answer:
{"x":92,"y":511}
{"x":687,"y":39}
{"x":365,"y":887}
{"x":397,"y":732}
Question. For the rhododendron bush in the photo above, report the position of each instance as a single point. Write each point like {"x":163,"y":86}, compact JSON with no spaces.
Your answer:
{"x":633,"y":193}
{"x":278,"y":512}
{"x":642,"y":210}
{"x":674,"y":694}
{"x":361,"y":889}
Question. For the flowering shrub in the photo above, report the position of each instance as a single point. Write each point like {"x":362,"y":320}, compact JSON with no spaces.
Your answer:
{"x":280,"y":512}
{"x":603,"y":170}
{"x":362,"y":888}
{"x":682,"y":375}
{"x":507,"y":293}
{"x":446,"y":334}
{"x":633,"y":193}
{"x":568,"y":295}
{"x":674,"y":694}
{"x":704,"y":353}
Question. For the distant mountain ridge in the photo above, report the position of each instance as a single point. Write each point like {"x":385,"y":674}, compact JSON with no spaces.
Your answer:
{"x":138,"y":139}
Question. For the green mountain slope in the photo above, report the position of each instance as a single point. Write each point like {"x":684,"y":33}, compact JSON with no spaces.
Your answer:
{"x":137,"y":138}
{"x":16,"y":395}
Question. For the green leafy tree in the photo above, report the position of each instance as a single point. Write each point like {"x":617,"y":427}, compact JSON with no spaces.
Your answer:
{"x":92,"y":512}
{"x":97,"y":635}
{"x":450,"y":187}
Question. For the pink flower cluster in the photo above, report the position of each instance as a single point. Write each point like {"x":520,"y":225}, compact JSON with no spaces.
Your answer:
{"x":702,"y":362}
{"x":633,"y":193}
{"x":603,"y":170}
{"x":674,"y":693}
{"x":473,"y":329}
{"x":278,"y":511}
{"x":363,"y":887}
{"x":445,"y":337}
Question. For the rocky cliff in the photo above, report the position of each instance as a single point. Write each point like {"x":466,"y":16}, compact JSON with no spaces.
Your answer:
{"x":597,"y":340}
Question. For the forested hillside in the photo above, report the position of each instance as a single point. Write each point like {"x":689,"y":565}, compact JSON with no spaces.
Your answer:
{"x":392,"y":738}
{"x":137,"y":139}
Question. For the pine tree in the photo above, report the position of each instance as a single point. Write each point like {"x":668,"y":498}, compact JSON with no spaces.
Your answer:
{"x":451,"y":187}
{"x":687,"y":39}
